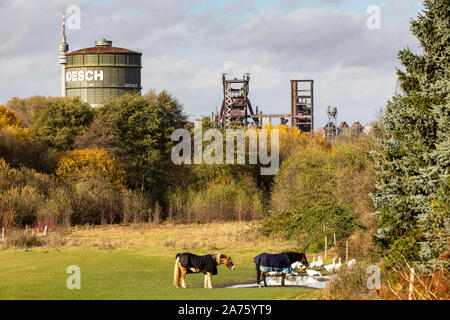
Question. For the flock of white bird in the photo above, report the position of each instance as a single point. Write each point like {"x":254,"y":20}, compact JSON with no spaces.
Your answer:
{"x":319,"y":264}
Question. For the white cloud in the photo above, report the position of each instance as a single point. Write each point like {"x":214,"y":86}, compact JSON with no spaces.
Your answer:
{"x":186,"y":51}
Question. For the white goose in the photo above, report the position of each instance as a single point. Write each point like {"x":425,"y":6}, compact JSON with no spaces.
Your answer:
{"x":351,"y":263}
{"x":319,"y":262}
{"x":338,"y":265}
{"x":330,"y":267}
{"x":313,"y":263}
{"x":313,"y":273}
{"x":297,"y":265}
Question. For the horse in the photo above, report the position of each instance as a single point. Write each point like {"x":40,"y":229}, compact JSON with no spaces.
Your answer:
{"x":190,"y":263}
{"x":279,"y":261}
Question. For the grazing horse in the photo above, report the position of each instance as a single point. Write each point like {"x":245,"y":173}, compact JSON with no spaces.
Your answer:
{"x":190,"y":263}
{"x":279,"y":262}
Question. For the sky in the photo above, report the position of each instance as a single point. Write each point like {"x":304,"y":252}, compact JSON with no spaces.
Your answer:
{"x":188,"y":44}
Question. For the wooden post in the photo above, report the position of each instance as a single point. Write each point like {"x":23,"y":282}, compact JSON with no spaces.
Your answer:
{"x":334,"y":239}
{"x":45,"y":230}
{"x":346,"y":251}
{"x":326,"y":246}
{"x":411,"y":285}
{"x":3,"y":234}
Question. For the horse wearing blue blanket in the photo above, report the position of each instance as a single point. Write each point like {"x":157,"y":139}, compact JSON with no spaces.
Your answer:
{"x":281,"y":262}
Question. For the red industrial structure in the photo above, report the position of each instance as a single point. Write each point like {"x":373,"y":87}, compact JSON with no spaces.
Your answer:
{"x":237,"y":109}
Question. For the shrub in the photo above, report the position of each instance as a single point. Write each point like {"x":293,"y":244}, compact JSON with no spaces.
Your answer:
{"x":24,"y":202}
{"x":311,"y":225}
{"x":135,"y":207}
{"x":6,"y":218}
{"x":218,"y":201}
{"x":305,"y":179}
{"x":24,"y":241}
{"x":95,"y":200}
{"x":350,"y":284}
{"x":56,"y":210}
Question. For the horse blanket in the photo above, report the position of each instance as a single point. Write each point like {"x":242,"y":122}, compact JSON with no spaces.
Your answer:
{"x":272,"y":269}
{"x":280,"y":260}
{"x":204,"y":263}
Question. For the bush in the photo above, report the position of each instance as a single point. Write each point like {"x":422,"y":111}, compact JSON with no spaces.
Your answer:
{"x":24,"y":202}
{"x":350,"y":284}
{"x":30,"y":198}
{"x":218,"y":201}
{"x":304,"y":180}
{"x":310,"y":226}
{"x":95,"y":200}
{"x":135,"y":207}
{"x":24,"y":241}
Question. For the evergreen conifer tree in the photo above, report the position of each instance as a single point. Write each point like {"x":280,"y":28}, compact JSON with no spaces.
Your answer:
{"x":414,"y":147}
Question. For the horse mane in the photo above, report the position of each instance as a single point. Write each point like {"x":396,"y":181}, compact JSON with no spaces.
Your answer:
{"x":296,"y":256}
{"x":217,"y":256}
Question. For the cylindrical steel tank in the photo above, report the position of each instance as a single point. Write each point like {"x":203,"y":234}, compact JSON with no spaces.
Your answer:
{"x":98,"y":73}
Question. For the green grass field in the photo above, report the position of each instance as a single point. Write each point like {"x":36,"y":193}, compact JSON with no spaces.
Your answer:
{"x":137,"y":264}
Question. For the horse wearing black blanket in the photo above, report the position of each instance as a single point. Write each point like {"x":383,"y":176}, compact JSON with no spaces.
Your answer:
{"x":190,"y":263}
{"x":280,"y":261}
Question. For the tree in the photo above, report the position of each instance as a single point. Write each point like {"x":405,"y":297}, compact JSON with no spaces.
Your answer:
{"x":76,"y":161}
{"x":27,"y":108}
{"x":60,"y":121}
{"x":20,"y":147}
{"x":98,"y":135}
{"x":144,"y":125}
{"x":8,"y":118}
{"x":413,"y":150}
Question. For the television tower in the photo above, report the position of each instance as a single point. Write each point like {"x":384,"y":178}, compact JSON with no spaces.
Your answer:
{"x":63,"y":48}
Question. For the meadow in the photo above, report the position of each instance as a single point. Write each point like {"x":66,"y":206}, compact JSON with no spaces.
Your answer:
{"x":137,"y":261}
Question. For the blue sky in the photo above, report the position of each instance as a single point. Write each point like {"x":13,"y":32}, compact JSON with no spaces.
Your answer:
{"x":187,"y":44}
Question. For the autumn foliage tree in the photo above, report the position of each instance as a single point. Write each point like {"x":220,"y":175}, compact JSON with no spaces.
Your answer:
{"x":73,"y":163}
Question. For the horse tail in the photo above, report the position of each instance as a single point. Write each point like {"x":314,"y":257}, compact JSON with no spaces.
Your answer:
{"x":176,"y":273}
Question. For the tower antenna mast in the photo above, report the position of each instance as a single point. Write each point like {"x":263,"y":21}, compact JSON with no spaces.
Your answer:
{"x":63,"y":48}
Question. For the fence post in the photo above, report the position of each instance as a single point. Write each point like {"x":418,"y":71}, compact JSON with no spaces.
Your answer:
{"x":3,"y":234}
{"x":325,"y":246}
{"x":346,"y":251}
{"x":411,"y":285}
{"x":45,"y":230}
{"x":334,"y":239}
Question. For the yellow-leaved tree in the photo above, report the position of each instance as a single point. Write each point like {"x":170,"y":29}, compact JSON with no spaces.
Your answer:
{"x":8,"y":118}
{"x":75,"y":162}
